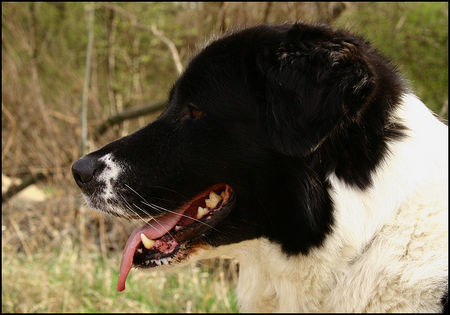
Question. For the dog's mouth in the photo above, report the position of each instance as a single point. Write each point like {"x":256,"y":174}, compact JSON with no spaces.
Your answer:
{"x":170,"y":238}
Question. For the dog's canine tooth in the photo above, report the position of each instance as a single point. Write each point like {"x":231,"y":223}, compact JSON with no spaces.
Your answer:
{"x":148,"y":243}
{"x":213,"y":200}
{"x":177,"y":227}
{"x":201,"y":212}
{"x":139,"y":250}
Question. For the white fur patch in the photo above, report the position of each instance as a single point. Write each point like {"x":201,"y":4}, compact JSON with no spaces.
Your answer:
{"x":388,"y":251}
{"x":107,"y":199}
{"x":109,"y":175}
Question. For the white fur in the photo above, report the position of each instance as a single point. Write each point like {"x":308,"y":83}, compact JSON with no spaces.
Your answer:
{"x":110,"y":173}
{"x":104,"y":199}
{"x":388,"y":251}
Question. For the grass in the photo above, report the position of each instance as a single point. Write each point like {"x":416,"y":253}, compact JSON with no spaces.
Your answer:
{"x":48,"y":267}
{"x":64,"y":280}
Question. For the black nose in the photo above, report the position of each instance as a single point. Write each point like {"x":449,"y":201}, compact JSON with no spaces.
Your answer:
{"x":84,"y":169}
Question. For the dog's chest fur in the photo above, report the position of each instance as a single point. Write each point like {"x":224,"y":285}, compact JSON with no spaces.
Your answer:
{"x":385,"y":253}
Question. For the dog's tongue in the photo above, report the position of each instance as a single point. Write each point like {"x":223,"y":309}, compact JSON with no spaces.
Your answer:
{"x":153,"y":230}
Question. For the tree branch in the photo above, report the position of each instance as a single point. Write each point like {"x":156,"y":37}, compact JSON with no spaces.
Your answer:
{"x":172,"y":48}
{"x":129,"y":113}
{"x":26,"y":181}
{"x":87,"y":74}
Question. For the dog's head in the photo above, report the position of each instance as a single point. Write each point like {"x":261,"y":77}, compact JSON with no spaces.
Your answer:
{"x":254,"y":126}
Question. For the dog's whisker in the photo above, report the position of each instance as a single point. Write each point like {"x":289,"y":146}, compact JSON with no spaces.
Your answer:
{"x":155,"y":220}
{"x":168,"y":189}
{"x":167,"y":210}
{"x":132,"y":210}
{"x":128,"y":206}
{"x":152,"y":217}
{"x":180,"y":214}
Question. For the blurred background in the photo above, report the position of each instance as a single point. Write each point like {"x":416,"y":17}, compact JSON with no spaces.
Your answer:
{"x":60,"y":256}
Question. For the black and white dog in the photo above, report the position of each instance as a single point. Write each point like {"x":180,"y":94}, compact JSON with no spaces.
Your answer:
{"x":299,"y":151}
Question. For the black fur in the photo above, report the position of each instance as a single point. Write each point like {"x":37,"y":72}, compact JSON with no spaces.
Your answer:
{"x":282,"y":107}
{"x":444,"y":302}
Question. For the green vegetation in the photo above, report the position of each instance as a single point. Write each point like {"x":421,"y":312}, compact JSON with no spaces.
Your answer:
{"x":63,"y":280}
{"x":415,"y":36}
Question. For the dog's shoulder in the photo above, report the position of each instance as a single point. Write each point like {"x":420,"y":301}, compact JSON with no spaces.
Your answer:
{"x":388,"y":249}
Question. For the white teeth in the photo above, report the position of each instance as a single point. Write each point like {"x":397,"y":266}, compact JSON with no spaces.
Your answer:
{"x":147,"y":262}
{"x":177,"y":227}
{"x":148,"y":243}
{"x":213,"y":200}
{"x":201,"y":212}
{"x":222,"y":194}
{"x":139,"y":250}
{"x":158,"y":262}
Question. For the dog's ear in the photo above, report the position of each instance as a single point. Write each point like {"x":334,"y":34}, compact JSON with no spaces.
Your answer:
{"x":314,"y":79}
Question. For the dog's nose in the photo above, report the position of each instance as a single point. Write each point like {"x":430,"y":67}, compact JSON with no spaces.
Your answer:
{"x":83,"y":170}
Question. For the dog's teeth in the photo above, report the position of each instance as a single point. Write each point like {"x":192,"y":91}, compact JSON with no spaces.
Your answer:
{"x":139,"y":250}
{"x":177,"y":227}
{"x":213,"y":200}
{"x":148,"y":243}
{"x":158,"y":262}
{"x":147,"y":262}
{"x":201,"y":212}
{"x":222,"y":194}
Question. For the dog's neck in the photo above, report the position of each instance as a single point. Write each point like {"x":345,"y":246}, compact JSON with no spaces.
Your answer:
{"x":368,"y":223}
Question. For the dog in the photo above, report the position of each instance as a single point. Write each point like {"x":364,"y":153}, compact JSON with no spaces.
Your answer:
{"x":300,"y":151}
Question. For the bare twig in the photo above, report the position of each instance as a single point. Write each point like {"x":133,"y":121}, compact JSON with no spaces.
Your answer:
{"x":111,"y":59}
{"x":12,"y":132}
{"x":221,"y":23}
{"x":21,"y":238}
{"x":129,"y":114}
{"x":68,"y":119}
{"x":267,"y":11}
{"x":400,"y":22}
{"x":444,"y":109}
{"x":49,"y":126}
{"x":172,"y":48}
{"x":27,"y":181}
{"x":87,"y":75}
{"x":171,"y":45}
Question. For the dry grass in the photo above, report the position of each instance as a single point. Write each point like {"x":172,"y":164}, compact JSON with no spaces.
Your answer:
{"x":66,"y":281}
{"x":47,"y":266}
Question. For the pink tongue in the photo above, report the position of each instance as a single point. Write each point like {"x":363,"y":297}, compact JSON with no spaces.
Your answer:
{"x":153,"y":231}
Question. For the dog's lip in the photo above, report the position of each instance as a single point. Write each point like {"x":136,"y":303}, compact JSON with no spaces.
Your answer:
{"x":165,"y":224}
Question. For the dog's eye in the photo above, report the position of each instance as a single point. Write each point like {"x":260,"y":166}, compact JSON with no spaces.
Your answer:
{"x":194,"y":111}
